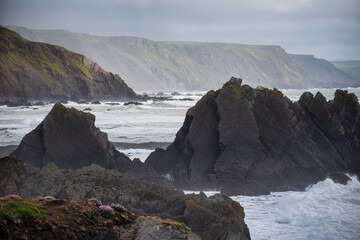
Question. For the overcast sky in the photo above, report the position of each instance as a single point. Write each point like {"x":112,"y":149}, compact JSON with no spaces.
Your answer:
{"x":328,"y":29}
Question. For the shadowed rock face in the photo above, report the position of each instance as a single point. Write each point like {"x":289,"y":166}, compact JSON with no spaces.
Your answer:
{"x":217,"y":217}
{"x":69,"y":139}
{"x":252,"y":141}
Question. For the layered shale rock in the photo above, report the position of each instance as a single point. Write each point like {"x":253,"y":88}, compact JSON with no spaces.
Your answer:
{"x":217,"y":217}
{"x":32,"y":70}
{"x":252,"y":141}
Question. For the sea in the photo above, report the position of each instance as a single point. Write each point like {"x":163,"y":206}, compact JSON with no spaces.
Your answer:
{"x":324,"y":211}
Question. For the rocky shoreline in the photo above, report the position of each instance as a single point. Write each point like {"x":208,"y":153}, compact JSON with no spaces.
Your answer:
{"x":53,"y":159}
{"x":239,"y":140}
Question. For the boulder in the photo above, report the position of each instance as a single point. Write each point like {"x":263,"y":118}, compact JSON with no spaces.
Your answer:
{"x":252,"y":141}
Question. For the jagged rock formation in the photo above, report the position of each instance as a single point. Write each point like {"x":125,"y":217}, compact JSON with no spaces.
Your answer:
{"x":217,"y":217}
{"x":68,"y":138}
{"x":85,"y":220}
{"x":33,"y":70}
{"x":252,"y":141}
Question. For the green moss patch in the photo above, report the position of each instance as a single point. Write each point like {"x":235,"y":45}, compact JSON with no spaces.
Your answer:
{"x":20,"y":208}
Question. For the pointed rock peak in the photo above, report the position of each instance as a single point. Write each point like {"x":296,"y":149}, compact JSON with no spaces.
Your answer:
{"x":320,"y":97}
{"x":236,"y":81}
{"x":306,"y":98}
{"x":60,"y":112}
{"x":68,"y":138}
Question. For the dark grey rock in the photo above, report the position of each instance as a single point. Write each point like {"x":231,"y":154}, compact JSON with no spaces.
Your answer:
{"x":69,"y":138}
{"x":252,"y":141}
{"x":132,"y":103}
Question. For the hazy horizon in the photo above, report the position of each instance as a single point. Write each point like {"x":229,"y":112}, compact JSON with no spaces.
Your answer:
{"x":327,"y":29}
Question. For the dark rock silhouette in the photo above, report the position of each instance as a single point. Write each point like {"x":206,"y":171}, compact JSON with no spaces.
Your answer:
{"x":69,"y":138}
{"x":253,"y":141}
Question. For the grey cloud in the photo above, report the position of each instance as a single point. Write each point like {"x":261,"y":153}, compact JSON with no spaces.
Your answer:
{"x":328,"y":29}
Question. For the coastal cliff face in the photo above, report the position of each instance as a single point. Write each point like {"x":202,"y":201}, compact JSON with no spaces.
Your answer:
{"x":32,"y":70}
{"x":217,"y":217}
{"x":253,"y":141}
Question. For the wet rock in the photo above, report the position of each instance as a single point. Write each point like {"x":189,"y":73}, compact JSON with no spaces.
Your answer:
{"x":132,"y":103}
{"x":339,"y":178}
{"x":186,"y":99}
{"x":112,"y":103}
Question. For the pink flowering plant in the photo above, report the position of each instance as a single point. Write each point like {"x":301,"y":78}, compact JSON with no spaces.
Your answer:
{"x":106,"y":208}
{"x":11,"y":196}
{"x":46,"y":198}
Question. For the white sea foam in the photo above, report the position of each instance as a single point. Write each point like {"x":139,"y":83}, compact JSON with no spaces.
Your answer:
{"x":324,"y":211}
{"x":142,"y":154}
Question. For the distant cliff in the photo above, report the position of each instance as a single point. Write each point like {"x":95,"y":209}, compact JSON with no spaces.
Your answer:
{"x":35,"y":70}
{"x":151,"y":65}
{"x":350,"y":67}
{"x":254,"y":141}
{"x":324,"y":73}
